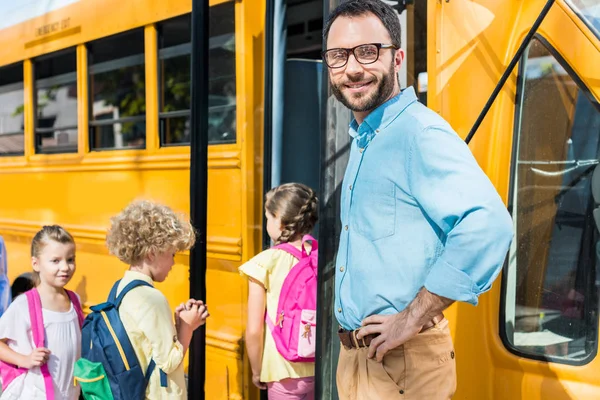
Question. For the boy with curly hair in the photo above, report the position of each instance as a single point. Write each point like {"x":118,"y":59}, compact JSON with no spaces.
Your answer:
{"x":146,"y":236}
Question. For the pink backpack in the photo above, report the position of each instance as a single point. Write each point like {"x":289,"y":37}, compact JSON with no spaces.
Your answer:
{"x":294,"y":331}
{"x":8,"y":371}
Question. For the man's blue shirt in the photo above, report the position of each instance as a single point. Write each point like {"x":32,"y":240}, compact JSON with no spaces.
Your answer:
{"x":417,"y":211}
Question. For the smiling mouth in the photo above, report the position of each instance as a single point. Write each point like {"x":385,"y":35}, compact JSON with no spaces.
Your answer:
{"x":357,"y":86}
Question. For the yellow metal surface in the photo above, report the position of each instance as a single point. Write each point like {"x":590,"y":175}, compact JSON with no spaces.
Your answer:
{"x":470,"y":45}
{"x":81,"y":191}
{"x":83,"y":138}
{"x":151,"y":62}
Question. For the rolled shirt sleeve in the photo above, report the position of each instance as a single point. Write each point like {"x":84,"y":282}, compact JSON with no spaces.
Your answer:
{"x":457,"y":196}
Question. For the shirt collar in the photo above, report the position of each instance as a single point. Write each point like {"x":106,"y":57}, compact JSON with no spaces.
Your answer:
{"x":382,"y":116}
{"x":134,"y":275}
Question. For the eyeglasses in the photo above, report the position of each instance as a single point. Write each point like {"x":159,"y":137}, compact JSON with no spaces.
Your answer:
{"x":364,"y":54}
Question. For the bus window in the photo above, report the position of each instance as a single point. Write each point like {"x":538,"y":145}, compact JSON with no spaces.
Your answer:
{"x":56,"y":103}
{"x":174,"y":74}
{"x":550,"y":287}
{"x":117,"y":92}
{"x":221,"y":74}
{"x":589,"y":11}
{"x":11,"y":110}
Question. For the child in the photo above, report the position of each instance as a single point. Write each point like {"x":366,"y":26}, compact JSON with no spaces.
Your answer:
{"x":53,"y":261}
{"x":146,"y":236}
{"x":22,"y":284}
{"x":292,"y":211}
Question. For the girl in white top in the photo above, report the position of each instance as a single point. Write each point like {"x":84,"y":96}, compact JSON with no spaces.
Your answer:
{"x":53,"y":261}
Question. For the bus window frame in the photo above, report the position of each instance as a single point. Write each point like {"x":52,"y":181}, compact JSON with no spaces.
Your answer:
{"x":182,"y":49}
{"x":186,"y":49}
{"x":510,"y":205}
{"x":45,"y":83}
{"x":12,"y":87}
{"x":577,"y":11}
{"x":112,"y":65}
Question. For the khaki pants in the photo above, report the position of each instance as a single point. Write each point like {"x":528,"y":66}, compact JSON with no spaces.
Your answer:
{"x":423,"y":368}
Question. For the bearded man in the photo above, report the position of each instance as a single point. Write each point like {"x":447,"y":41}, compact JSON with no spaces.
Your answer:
{"x":422,"y":225}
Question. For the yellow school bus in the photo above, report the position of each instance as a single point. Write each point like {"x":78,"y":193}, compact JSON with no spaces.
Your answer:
{"x":535,"y":335}
{"x":95,"y":112}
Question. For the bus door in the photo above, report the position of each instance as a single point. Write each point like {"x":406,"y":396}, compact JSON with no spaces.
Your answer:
{"x":535,"y":335}
{"x":293,"y":94}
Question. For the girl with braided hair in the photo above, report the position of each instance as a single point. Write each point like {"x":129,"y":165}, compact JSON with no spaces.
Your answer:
{"x":292,"y":212}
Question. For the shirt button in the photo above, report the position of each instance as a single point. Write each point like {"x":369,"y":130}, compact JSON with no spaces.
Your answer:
{"x":361,"y":149}
{"x":377,"y":130}
{"x":346,"y":227}
{"x":342,"y":268}
{"x":340,"y":309}
{"x":350,"y":187}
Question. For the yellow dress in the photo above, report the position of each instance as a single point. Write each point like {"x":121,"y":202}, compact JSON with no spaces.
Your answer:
{"x":270,"y":268}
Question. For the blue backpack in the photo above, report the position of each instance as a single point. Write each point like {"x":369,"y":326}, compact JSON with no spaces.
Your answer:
{"x":108,"y":368}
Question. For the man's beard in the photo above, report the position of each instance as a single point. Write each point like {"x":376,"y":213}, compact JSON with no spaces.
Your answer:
{"x":381,"y":94}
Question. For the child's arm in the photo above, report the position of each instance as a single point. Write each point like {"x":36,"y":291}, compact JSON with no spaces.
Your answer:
{"x":255,"y":328}
{"x":37,"y":358}
{"x":188,"y":321}
{"x":149,"y":312}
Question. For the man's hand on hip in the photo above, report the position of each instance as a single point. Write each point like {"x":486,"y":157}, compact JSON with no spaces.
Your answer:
{"x":393,"y":330}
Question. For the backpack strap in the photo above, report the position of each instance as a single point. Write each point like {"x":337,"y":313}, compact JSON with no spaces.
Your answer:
{"x":312,"y":240}
{"x":116,"y":300}
{"x":270,"y":323}
{"x":77,"y":306}
{"x":37,"y":330}
{"x":113,"y":292}
{"x":288,"y":248}
{"x":299,"y":254}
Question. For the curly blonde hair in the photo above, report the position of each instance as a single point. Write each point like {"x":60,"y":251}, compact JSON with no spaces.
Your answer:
{"x":145,"y":227}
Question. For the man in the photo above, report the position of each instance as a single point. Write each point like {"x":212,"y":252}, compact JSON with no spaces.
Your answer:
{"x":422,"y":224}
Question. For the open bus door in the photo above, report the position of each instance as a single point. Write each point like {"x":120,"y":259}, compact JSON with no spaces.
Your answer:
{"x":535,"y":335}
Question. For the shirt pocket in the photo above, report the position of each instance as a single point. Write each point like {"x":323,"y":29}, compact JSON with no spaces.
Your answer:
{"x":373,"y":209}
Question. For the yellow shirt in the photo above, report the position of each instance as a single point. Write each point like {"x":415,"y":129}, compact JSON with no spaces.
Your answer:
{"x":148,"y":320}
{"x":270,"y":268}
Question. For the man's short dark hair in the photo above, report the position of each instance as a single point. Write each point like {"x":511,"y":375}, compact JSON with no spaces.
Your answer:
{"x":354,"y":8}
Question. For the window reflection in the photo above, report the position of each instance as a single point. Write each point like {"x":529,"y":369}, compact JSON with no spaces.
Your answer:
{"x":11,"y":110}
{"x":56,"y":103}
{"x":551,"y":287}
{"x":175,"y":78}
{"x":118,"y":92}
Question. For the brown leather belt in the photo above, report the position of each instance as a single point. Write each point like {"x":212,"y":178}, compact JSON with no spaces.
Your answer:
{"x":350,"y":341}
